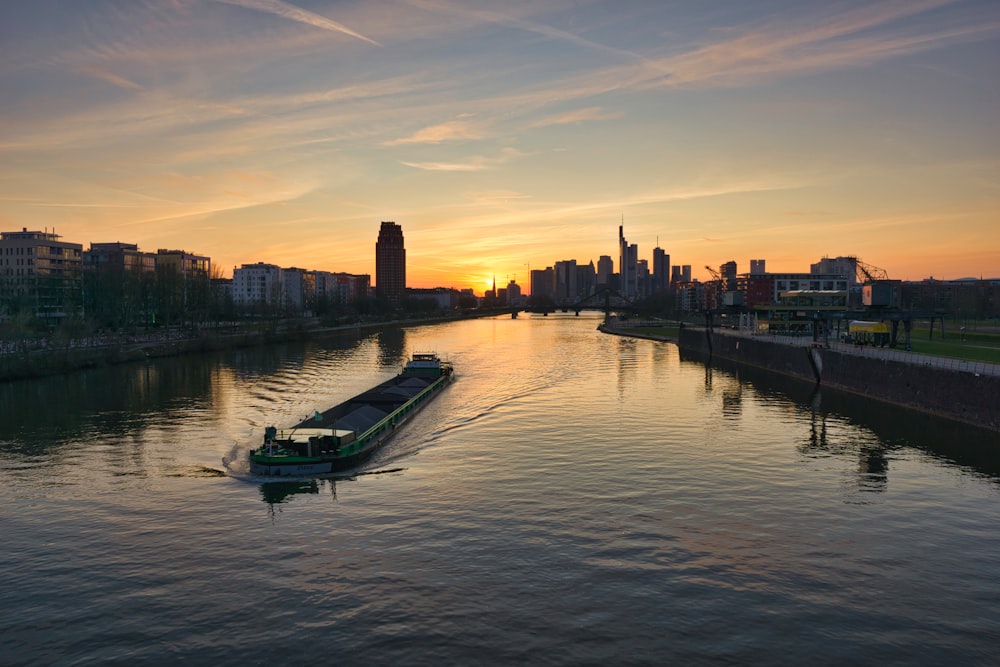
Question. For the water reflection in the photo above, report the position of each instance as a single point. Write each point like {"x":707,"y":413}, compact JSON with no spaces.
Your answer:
{"x":37,"y":414}
{"x":831,"y":410}
{"x":274,"y":493}
{"x":121,"y":401}
{"x":391,"y":347}
{"x":732,"y":398}
{"x":278,"y":493}
{"x":627,"y":364}
{"x":872,"y":473}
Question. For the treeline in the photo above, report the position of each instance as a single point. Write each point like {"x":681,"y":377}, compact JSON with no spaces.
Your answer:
{"x":132,"y":302}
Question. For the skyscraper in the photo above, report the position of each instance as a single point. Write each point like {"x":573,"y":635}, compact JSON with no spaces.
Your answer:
{"x":605,"y":269}
{"x":628,"y":259}
{"x":565,"y":276}
{"x":623,"y":261}
{"x":390,"y":263}
{"x":661,"y":269}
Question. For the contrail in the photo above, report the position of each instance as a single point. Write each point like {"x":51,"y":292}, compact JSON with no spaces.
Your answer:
{"x":289,"y":11}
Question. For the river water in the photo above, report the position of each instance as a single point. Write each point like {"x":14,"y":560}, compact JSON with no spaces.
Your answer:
{"x":573,"y":498}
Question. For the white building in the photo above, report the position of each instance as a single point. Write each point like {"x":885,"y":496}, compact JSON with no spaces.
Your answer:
{"x":258,"y":283}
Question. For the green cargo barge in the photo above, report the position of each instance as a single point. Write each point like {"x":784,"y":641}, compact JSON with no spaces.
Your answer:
{"x":347,"y":434}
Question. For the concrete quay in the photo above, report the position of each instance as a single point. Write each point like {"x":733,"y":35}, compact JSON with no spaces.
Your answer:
{"x":968,"y":392}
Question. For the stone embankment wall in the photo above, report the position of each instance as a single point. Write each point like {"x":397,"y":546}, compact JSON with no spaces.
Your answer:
{"x":57,"y":359}
{"x":967,"y":397}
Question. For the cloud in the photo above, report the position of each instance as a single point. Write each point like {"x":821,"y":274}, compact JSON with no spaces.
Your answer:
{"x":455,"y":130}
{"x":462,"y":9}
{"x":578,"y":116}
{"x":293,"y":13}
{"x":476,"y":163}
{"x":816,"y":43}
{"x":113,"y":79}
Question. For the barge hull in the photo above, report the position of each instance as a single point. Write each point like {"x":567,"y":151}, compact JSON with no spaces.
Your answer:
{"x":317,"y":447}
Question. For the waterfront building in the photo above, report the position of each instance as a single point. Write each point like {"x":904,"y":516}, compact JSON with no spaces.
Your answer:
{"x":445,"y":298}
{"x":118,"y":257}
{"x":758,"y":289}
{"x":183,"y":263}
{"x":390,"y":263}
{"x":964,"y":298}
{"x":119,"y":284}
{"x":353,"y":286}
{"x":846,"y":267}
{"x":299,"y":289}
{"x":40,"y":274}
{"x":694,"y":296}
{"x":258,"y":284}
{"x":791,"y":282}
{"x":182,"y":286}
{"x":326,"y":288}
{"x":342,"y":288}
{"x":727,"y":274}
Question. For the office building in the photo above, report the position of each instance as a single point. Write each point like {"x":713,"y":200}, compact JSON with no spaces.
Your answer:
{"x":605,"y":270}
{"x":39,"y":274}
{"x":390,"y":263}
{"x":565,"y":281}
{"x":118,"y":257}
{"x":661,"y":270}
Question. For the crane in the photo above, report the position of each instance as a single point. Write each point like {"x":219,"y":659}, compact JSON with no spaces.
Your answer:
{"x":866,"y":273}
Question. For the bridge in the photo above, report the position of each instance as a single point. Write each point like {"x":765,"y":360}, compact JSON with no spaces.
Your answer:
{"x":604,"y":299}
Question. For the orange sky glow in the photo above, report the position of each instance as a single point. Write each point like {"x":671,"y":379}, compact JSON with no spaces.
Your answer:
{"x":503,"y":136}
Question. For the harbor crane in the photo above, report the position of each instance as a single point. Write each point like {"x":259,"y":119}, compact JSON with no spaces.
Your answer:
{"x":866,"y":273}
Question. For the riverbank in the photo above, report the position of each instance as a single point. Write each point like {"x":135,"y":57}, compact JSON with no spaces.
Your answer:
{"x":962,"y":391}
{"x":22,"y":362}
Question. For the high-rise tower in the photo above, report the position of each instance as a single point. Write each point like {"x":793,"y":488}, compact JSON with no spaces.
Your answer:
{"x":624,"y":263}
{"x":390,"y":263}
{"x":661,"y":269}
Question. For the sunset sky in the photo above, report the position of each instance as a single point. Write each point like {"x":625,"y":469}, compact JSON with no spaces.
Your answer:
{"x":503,"y":135}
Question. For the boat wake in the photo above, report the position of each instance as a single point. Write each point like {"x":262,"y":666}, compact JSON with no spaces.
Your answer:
{"x":236,"y":461}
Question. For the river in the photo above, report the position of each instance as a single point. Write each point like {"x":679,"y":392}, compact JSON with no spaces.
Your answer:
{"x":573,"y":498}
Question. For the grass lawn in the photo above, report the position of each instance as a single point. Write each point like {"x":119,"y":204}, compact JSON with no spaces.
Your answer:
{"x":956,"y":344}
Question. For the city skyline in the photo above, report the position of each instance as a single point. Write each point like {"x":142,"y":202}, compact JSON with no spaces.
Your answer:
{"x":503,"y":138}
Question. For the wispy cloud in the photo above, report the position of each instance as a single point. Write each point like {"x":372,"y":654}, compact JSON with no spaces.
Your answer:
{"x":454,"y":130}
{"x":508,"y":19}
{"x":293,"y":13}
{"x":475,"y":163}
{"x":814,"y":43}
{"x":109,"y":77}
{"x":578,"y":116}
